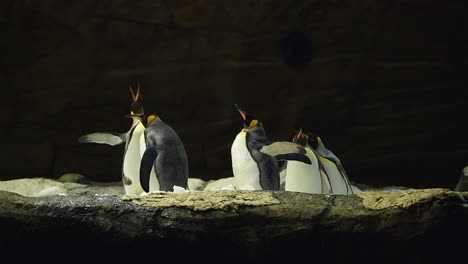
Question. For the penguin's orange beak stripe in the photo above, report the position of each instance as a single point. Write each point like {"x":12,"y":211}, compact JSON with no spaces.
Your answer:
{"x":299,"y":134}
{"x":137,"y":96}
{"x":241,"y":112}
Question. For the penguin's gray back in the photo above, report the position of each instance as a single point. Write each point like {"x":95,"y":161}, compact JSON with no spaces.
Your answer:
{"x":328,"y":154}
{"x":171,"y":165}
{"x":267,"y":165}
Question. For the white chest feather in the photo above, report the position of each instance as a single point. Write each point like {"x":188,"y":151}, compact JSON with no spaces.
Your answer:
{"x":142,"y":144}
{"x":301,"y":177}
{"x":244,"y":167}
{"x":337,"y":181}
{"x":131,"y":166}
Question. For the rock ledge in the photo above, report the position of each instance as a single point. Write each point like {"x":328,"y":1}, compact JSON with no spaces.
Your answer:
{"x":258,"y":226}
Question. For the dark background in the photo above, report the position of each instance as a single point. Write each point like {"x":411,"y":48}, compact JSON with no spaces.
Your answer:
{"x":381,"y":81}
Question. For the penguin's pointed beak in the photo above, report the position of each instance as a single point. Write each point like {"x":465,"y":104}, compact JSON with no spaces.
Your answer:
{"x":300,"y":134}
{"x":133,"y":94}
{"x":241,"y":112}
{"x":137,"y":105}
{"x":138,"y":93}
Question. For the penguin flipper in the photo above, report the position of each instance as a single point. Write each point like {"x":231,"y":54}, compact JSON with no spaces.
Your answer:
{"x":294,"y":156}
{"x":283,"y":167}
{"x":146,"y":165}
{"x":281,"y":148}
{"x":112,"y":139}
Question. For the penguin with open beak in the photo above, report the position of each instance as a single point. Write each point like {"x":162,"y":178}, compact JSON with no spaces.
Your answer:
{"x":112,"y":138}
{"x":306,"y":178}
{"x":255,"y":158}
{"x":134,"y":146}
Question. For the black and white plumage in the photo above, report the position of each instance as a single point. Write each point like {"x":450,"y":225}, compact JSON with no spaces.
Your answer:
{"x":134,"y":144}
{"x":335,"y":171}
{"x":306,"y":178}
{"x":255,"y":158}
{"x":164,"y":161}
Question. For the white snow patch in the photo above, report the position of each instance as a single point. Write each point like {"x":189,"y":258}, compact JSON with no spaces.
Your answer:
{"x":228,"y":187}
{"x":49,"y":191}
{"x":247,"y":188}
{"x":178,"y":189}
{"x":355,"y":189}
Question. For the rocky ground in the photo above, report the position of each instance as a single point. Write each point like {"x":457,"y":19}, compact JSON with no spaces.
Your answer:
{"x":72,"y":183}
{"x":408,"y":226}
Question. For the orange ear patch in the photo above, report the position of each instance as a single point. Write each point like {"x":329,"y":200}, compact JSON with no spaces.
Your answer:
{"x":150,"y":119}
{"x":253,"y":123}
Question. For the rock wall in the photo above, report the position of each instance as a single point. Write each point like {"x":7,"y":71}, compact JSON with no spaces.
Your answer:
{"x":417,"y":226}
{"x":380,"y":81}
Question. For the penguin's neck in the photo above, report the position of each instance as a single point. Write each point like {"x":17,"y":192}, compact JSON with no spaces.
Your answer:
{"x":135,"y":122}
{"x":257,"y":134}
{"x":321,"y":147}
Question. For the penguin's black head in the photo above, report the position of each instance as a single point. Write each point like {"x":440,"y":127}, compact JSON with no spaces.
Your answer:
{"x":137,"y":106}
{"x":313,"y":140}
{"x":301,"y":138}
{"x":249,"y":120}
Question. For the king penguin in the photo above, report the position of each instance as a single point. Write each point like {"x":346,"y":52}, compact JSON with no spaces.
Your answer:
{"x":254,"y":157}
{"x":339,"y":180}
{"x":134,"y":146}
{"x":306,"y":178}
{"x":164,"y":161}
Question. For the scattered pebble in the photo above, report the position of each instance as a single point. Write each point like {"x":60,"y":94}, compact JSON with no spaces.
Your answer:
{"x":247,"y":188}
{"x":178,"y":189}
{"x":228,"y":187}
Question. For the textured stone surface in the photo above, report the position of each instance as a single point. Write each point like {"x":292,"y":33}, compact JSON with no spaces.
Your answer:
{"x":73,"y":184}
{"x":384,"y":87}
{"x":215,"y":200}
{"x":287,"y":223}
{"x":37,"y":187}
{"x":404,"y":199}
